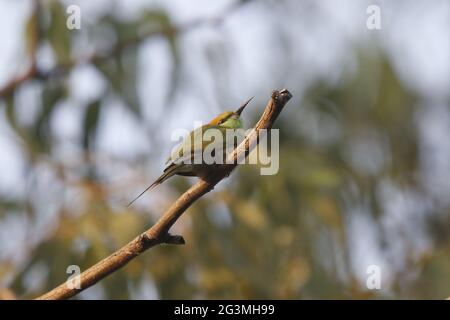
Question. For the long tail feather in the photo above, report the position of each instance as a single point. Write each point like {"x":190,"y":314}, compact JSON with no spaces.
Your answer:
{"x":168,"y":172}
{"x":154,"y":184}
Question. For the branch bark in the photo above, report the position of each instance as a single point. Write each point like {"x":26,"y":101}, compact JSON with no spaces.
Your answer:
{"x":159,"y":233}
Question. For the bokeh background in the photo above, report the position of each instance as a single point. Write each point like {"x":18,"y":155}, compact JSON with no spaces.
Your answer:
{"x":86,"y":118}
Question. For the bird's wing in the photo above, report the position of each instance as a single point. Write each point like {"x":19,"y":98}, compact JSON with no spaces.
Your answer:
{"x":187,"y":144}
{"x":197,"y":150}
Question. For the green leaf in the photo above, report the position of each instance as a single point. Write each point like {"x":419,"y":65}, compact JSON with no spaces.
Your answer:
{"x":41,"y":130}
{"x":158,"y":20}
{"x":121,"y":72}
{"x":90,"y":123}
{"x":31,"y":34}
{"x":11,"y":115}
{"x":58,"y":34}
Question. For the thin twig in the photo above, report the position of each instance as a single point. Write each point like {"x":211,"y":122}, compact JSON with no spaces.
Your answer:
{"x":159,"y":232}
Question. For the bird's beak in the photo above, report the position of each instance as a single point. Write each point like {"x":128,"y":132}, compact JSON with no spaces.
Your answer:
{"x":239,"y":111}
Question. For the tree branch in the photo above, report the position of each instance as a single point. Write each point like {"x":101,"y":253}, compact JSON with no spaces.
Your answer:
{"x":159,"y":232}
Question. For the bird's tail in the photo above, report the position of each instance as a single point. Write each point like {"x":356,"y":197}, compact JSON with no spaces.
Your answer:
{"x":166,"y":175}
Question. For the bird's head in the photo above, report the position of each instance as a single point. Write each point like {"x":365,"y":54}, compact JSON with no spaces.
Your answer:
{"x":230,"y":119}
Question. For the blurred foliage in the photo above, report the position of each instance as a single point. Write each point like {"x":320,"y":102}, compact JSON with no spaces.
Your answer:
{"x":284,"y":236}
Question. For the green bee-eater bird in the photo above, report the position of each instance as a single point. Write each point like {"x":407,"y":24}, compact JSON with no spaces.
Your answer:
{"x":183,"y":164}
